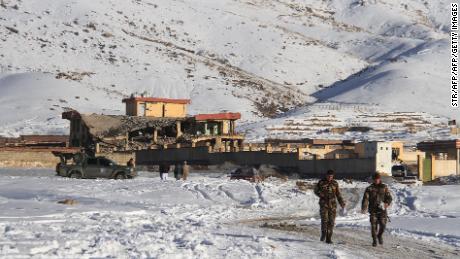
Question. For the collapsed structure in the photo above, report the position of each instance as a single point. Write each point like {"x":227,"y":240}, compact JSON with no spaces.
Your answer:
{"x":152,"y":123}
{"x":159,"y":130}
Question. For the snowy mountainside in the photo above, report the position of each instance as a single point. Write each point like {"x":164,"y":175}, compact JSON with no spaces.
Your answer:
{"x":352,"y":121}
{"x":261,"y":58}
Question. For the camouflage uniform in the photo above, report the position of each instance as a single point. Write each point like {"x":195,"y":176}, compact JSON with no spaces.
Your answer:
{"x":374,"y":198}
{"x":328,"y":193}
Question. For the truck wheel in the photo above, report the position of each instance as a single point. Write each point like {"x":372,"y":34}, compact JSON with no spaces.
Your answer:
{"x":75,"y":175}
{"x":120,"y":176}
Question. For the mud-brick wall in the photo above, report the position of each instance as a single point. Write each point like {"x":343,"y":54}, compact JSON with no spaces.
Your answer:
{"x":45,"y":159}
{"x":28,"y":159}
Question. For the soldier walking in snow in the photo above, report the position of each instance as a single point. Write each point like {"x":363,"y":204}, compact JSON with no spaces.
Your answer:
{"x":328,"y":192}
{"x":376,"y":200}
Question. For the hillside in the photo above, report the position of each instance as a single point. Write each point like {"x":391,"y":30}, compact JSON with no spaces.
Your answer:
{"x":261,"y":58}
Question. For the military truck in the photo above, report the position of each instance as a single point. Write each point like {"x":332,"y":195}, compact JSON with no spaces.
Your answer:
{"x":80,"y":165}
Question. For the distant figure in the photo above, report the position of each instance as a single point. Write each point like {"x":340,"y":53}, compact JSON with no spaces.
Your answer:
{"x":181,"y":171}
{"x":130,"y":163}
{"x":186,"y":171}
{"x":164,"y":170}
{"x":376,"y":200}
{"x":178,"y":171}
{"x":328,"y":192}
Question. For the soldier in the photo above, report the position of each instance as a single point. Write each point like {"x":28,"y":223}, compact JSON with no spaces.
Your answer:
{"x":328,"y":192}
{"x":376,"y":200}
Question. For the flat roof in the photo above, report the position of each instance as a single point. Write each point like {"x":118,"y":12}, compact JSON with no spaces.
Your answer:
{"x":310,"y":141}
{"x":156,"y":99}
{"x":218,"y":116}
{"x":439,"y":145}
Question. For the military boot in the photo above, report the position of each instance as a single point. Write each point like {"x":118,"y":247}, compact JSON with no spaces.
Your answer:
{"x":380,"y":238}
{"x":323,"y":236}
{"x":329,"y":237}
{"x":374,"y":242}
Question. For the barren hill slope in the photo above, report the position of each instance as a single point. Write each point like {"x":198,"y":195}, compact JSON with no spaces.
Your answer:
{"x":259,"y":57}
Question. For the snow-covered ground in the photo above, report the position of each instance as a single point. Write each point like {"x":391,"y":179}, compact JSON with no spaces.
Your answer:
{"x":209,"y":216}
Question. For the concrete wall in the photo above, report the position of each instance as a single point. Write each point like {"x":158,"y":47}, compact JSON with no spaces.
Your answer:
{"x":357,"y":168}
{"x":381,"y":151}
{"x":175,"y":110}
{"x":153,"y":109}
{"x":345,"y":168}
{"x":383,"y":158}
{"x":443,"y":168}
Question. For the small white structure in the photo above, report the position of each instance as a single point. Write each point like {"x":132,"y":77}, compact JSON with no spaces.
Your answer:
{"x":379,"y":150}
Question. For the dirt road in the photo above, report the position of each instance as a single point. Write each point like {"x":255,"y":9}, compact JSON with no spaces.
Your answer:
{"x":356,"y":242}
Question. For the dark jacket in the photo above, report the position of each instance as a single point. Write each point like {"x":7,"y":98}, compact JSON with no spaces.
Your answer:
{"x":164,"y":168}
{"x":328,"y":193}
{"x":374,"y":197}
{"x":179,"y":169}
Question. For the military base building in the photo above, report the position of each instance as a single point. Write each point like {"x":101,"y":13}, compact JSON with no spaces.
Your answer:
{"x":151,"y":123}
{"x":160,"y":130}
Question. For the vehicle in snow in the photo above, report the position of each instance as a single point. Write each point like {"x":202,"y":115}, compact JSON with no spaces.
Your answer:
{"x":399,"y":171}
{"x":84,"y":166}
{"x":246,"y":173}
{"x":402,"y":174}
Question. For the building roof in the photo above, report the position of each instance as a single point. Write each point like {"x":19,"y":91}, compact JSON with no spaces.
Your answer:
{"x":115,"y":125}
{"x":44,"y":138}
{"x":439,"y":145}
{"x":156,"y":99}
{"x":309,"y":141}
{"x":218,"y":116}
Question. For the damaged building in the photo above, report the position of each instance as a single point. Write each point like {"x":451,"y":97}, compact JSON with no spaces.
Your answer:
{"x":152,"y":123}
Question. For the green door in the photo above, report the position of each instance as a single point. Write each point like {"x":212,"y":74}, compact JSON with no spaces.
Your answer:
{"x":426,"y":170}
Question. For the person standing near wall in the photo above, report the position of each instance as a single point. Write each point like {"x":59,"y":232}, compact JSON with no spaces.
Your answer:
{"x":178,"y":171}
{"x":328,"y":192}
{"x":164,"y":170}
{"x":186,"y":170}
